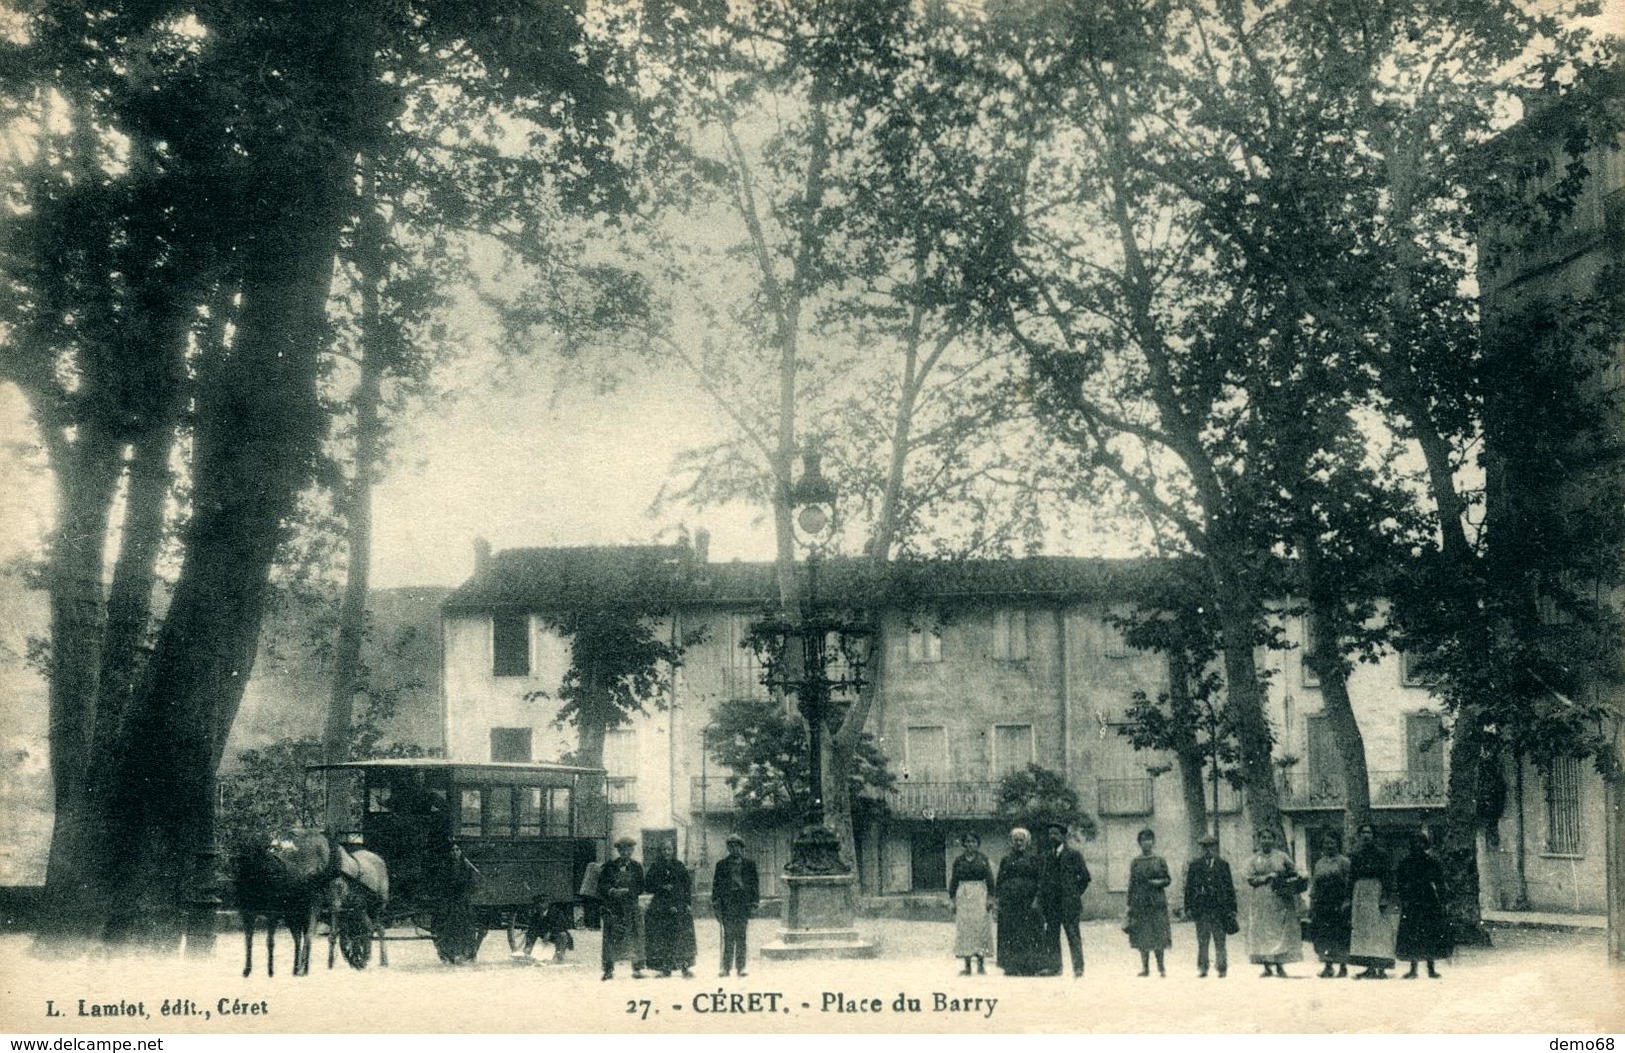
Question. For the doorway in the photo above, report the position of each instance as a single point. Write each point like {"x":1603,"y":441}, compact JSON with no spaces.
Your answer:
{"x":928,"y":861}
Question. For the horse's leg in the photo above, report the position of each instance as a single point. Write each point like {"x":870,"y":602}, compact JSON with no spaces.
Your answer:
{"x":248,"y":943}
{"x":310,"y":930}
{"x":377,"y":923}
{"x":270,"y":945}
{"x":332,"y":905}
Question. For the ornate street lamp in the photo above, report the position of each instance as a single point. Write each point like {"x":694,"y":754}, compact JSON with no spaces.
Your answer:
{"x":798,"y":663}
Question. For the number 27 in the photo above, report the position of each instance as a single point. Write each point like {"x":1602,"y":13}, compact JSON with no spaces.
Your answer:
{"x":639,"y":1007}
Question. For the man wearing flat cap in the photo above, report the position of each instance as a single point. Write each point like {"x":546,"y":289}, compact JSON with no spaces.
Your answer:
{"x":1060,"y":897}
{"x":734,"y":895}
{"x":1210,"y":901}
{"x":620,"y":883}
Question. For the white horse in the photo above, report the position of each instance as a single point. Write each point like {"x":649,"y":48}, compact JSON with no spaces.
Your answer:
{"x":356,"y":903}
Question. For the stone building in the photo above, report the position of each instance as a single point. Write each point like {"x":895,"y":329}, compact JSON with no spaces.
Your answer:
{"x":991,"y":665}
{"x":1552,"y":846}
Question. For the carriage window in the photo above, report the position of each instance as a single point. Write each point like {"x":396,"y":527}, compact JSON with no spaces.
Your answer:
{"x":530,"y":811}
{"x":499,"y":812}
{"x":378,"y":799}
{"x":468,"y":822}
{"x":558,"y":810}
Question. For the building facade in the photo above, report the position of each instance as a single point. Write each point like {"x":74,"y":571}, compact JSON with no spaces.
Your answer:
{"x":1553,"y":848}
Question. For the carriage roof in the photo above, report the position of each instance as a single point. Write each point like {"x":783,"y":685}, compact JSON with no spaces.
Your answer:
{"x":459,"y":767}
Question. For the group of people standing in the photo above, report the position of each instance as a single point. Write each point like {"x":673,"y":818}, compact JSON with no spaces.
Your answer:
{"x":1356,"y":900}
{"x":661,"y":936}
{"x":1363,"y":911}
{"x":1038,"y":896}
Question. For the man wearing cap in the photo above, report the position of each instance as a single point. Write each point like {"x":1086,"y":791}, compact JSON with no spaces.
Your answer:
{"x":620,"y":883}
{"x":1210,"y":901}
{"x":734,"y":895}
{"x":1060,"y":897}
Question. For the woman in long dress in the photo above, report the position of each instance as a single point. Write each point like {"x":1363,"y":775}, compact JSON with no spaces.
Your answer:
{"x":1021,"y":925}
{"x":1148,"y":881}
{"x":1274,"y":936}
{"x":668,"y":923}
{"x":1329,"y":888}
{"x":969,"y":886}
{"x":1424,"y":928}
{"x":1371,"y":927}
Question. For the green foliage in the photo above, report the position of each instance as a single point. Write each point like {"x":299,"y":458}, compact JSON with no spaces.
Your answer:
{"x":766,"y":749}
{"x":618,"y":664}
{"x":1524,"y":639}
{"x":267,"y":791}
{"x":1037,"y":797}
{"x":268,"y":788}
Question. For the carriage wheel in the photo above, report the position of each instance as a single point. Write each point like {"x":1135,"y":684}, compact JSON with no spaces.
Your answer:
{"x":355,"y":942}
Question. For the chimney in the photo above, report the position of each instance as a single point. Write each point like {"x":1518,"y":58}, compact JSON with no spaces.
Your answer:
{"x":702,"y":545}
{"x":482,"y":556}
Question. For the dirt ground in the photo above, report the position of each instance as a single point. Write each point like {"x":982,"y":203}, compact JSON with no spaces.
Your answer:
{"x":1549,"y":983}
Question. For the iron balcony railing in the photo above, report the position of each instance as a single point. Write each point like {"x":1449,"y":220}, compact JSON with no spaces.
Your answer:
{"x":1409,"y":789}
{"x":1389,"y":789}
{"x":1125,"y":796}
{"x":945,"y":800}
{"x":621,"y":791}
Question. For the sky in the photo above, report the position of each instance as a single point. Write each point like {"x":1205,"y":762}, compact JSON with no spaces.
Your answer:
{"x":514,"y":461}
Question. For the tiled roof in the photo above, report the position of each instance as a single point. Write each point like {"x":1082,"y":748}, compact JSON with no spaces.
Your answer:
{"x":661,"y":577}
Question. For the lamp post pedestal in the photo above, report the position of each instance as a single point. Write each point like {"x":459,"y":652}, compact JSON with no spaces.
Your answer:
{"x":818,"y":914}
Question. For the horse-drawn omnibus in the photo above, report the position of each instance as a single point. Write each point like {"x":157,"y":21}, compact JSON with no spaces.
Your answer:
{"x":474,"y":846}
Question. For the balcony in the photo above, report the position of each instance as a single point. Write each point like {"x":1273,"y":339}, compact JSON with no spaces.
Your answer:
{"x":711,"y":795}
{"x":1125,"y":796}
{"x":1307,"y":791}
{"x":1389,"y":789}
{"x":621,"y":792}
{"x":1409,"y":789}
{"x":945,"y":800}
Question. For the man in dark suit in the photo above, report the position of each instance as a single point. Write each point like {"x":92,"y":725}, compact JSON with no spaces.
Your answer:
{"x":1060,"y":897}
{"x":1210,"y":901}
{"x":620,"y":883}
{"x":734,"y":895}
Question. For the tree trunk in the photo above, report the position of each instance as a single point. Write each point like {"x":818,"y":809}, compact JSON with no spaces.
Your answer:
{"x":839,"y":761}
{"x":1188,"y":752}
{"x":590,"y":733}
{"x":1332,"y":670}
{"x":347,"y":675}
{"x":1238,"y":627}
{"x":87,"y":473}
{"x":259,"y":427}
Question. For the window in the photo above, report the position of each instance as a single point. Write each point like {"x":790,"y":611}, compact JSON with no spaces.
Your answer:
{"x":511,"y":745}
{"x":925,"y":643}
{"x":1116,"y":645}
{"x":1563,"y":806}
{"x":528,"y":800}
{"x":925,"y":753}
{"x":1309,"y":678}
{"x":1325,"y":761}
{"x":1424,"y":744}
{"x":1010,"y":635}
{"x":499,"y":811}
{"x":621,"y":752}
{"x":744,"y":667}
{"x":510,"y":643}
{"x":1012,"y":748}
{"x":558,"y":810}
